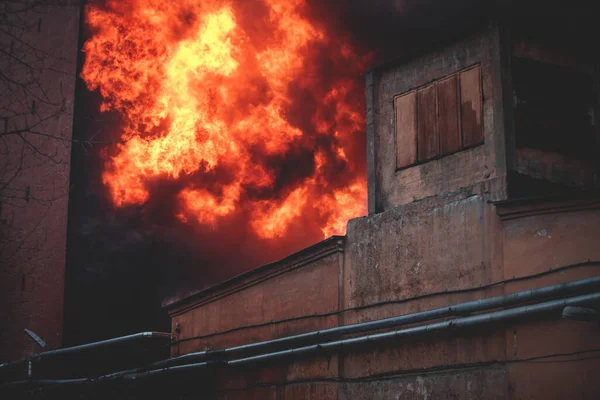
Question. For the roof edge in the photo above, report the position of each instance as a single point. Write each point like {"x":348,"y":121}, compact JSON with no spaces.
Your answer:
{"x":296,"y":260}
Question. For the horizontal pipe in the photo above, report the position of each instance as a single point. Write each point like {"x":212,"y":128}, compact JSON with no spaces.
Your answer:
{"x":28,"y":363}
{"x":347,"y":344}
{"x":87,"y":346}
{"x":454,"y":324}
{"x":197,"y":358}
{"x":108,"y":342}
{"x":45,"y":382}
{"x":560,"y":289}
{"x":11,"y":364}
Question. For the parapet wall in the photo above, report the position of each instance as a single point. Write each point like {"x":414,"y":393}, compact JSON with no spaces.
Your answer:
{"x":432,"y":253}
{"x":451,"y":219}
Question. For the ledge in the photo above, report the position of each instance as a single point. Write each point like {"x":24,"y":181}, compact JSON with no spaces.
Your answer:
{"x":531,"y":206}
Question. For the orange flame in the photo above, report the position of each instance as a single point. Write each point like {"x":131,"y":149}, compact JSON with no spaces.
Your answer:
{"x":202,"y":87}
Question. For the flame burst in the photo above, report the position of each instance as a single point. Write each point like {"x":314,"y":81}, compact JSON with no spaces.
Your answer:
{"x":226,"y":98}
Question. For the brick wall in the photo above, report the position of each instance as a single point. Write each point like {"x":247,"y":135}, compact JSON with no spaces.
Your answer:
{"x":38,"y":67}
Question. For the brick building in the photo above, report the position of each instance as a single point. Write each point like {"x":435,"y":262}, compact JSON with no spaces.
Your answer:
{"x":483,"y":206}
{"x":37,"y":90}
{"x":483,"y":182}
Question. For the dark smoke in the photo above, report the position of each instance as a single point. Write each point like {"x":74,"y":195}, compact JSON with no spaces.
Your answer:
{"x":122,"y":263}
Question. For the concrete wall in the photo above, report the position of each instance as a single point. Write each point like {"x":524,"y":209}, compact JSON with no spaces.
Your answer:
{"x":486,"y":163}
{"x":439,"y":251}
{"x":439,"y":233}
{"x":34,"y":173}
{"x":542,"y":243}
{"x":297,"y":294}
{"x":567,"y":160}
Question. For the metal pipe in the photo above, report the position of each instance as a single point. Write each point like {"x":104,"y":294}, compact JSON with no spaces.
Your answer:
{"x":561,"y":289}
{"x":12,"y":364}
{"x":345,"y":344}
{"x":45,"y":382}
{"x":454,"y":324}
{"x":102,"y":343}
{"x":327,"y":334}
{"x":28,"y":364}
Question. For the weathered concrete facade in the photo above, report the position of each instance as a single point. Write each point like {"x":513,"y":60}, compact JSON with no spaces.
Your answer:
{"x":408,"y":259}
{"x":444,"y":228}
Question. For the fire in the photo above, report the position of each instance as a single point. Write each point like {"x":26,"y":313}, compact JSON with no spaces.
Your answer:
{"x":209,"y":97}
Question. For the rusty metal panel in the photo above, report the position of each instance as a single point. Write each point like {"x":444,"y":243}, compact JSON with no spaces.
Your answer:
{"x":406,"y":129}
{"x":449,"y":129}
{"x":427,"y":123}
{"x":470,"y":107}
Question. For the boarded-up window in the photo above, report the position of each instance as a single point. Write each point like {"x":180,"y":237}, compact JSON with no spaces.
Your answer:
{"x":439,"y":119}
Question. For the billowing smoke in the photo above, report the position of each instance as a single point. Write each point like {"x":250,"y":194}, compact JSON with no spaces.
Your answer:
{"x":224,"y":134}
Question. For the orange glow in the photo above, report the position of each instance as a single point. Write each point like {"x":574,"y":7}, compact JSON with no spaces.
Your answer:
{"x":206,"y":207}
{"x":268,"y":217}
{"x":203,"y":88}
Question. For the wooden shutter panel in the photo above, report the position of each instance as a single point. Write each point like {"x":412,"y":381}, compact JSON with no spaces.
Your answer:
{"x":470,"y":107}
{"x":406,"y":129}
{"x":450,"y":140}
{"x":427,"y":126}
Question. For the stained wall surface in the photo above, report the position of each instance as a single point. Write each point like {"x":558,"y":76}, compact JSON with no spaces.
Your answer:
{"x":437,"y":252}
{"x":444,"y":162}
{"x":442,"y":230}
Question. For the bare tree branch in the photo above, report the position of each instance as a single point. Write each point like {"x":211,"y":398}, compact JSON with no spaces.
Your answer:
{"x":35,"y":126}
